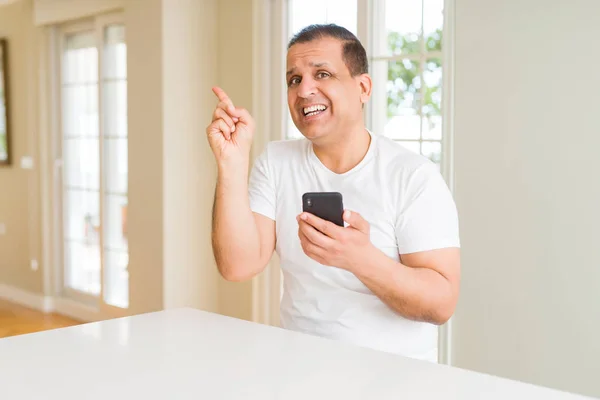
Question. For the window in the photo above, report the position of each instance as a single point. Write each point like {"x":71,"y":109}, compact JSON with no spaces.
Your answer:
{"x":406,"y":64}
{"x":403,"y":39}
{"x":94,"y":159}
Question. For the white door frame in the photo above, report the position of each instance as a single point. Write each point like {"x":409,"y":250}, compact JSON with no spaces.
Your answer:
{"x":63,"y":300}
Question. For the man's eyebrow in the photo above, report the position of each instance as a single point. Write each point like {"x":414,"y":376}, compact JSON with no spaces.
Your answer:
{"x":312,"y":64}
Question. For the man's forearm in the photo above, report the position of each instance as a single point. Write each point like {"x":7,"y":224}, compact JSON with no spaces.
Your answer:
{"x":416,"y":293}
{"x":236,"y":242}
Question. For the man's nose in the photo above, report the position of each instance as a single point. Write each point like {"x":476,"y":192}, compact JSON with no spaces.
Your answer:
{"x":307,"y":87}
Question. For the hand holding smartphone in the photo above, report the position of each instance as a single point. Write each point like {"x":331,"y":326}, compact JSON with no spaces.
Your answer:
{"x":325,"y":205}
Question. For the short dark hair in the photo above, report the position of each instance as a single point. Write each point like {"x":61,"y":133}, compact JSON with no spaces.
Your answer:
{"x":353,"y":52}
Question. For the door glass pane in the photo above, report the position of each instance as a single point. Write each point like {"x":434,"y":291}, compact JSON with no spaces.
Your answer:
{"x":115,"y":228}
{"x":114,"y":85}
{"x":80,"y":59}
{"x":115,"y":108}
{"x":83,"y":267}
{"x":115,"y":82}
{"x":82,"y":240}
{"x":115,"y":165}
{"x":82,"y":219}
{"x":80,"y":110}
{"x":81,"y":156}
{"x":116,"y":278}
{"x":115,"y":53}
{"x":81,"y":171}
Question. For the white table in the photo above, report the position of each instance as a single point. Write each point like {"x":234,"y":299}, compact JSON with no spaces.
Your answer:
{"x":190,"y":354}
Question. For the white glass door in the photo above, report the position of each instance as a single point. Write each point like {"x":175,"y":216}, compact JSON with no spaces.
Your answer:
{"x":114,"y":107}
{"x":81,"y":163}
{"x":94,"y":163}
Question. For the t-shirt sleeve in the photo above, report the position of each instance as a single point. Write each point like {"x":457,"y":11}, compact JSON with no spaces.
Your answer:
{"x":427,"y":218}
{"x":261,"y":187}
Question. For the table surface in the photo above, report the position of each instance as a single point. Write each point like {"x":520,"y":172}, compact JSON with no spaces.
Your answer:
{"x":191,"y":354}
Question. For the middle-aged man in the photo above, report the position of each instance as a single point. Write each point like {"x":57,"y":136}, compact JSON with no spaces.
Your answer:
{"x":388,"y":277}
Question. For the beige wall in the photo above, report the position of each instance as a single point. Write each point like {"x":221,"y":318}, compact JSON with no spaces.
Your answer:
{"x":53,"y":11}
{"x":189,"y":72}
{"x":235,"y":77}
{"x":143,"y":21}
{"x":526,"y":160}
{"x":19,"y":194}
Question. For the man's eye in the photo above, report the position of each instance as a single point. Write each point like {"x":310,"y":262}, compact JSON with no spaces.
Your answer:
{"x":322,"y":75}
{"x":294,"y":81}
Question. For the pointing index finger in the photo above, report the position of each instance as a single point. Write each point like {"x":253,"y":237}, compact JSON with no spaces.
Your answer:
{"x":222,"y":96}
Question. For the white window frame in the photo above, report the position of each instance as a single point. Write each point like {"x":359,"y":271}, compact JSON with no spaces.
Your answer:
{"x":66,"y":300}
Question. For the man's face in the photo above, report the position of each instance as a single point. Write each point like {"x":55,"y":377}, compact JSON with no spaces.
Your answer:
{"x":323,"y":98}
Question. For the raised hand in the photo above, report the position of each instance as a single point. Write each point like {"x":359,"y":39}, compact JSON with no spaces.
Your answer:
{"x":230,"y":132}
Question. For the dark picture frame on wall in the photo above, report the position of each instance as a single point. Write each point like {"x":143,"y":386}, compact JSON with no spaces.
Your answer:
{"x":5,"y":153}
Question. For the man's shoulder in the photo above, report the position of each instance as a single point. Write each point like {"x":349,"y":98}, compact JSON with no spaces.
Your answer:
{"x":399,"y":158}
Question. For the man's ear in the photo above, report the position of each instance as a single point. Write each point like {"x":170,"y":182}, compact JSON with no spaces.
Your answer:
{"x":366,"y":86}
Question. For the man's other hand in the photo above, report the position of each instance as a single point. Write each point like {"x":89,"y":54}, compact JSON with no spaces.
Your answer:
{"x":333,"y":245}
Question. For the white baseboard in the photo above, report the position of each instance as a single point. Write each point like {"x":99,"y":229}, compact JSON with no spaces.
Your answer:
{"x":75,"y":310}
{"x":26,"y":298}
{"x":60,"y":305}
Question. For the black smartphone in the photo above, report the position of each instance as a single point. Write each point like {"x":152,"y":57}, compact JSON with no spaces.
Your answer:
{"x":325,"y":205}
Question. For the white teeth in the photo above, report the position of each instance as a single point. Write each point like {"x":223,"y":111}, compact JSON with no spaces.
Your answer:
{"x":311,"y":109}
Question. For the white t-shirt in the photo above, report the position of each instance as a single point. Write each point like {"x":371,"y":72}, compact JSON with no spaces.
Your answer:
{"x":409,"y":208}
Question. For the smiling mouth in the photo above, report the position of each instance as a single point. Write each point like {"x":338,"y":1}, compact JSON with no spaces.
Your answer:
{"x":313,"y":110}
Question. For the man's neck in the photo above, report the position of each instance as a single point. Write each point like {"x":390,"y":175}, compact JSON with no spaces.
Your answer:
{"x":345,"y":153}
